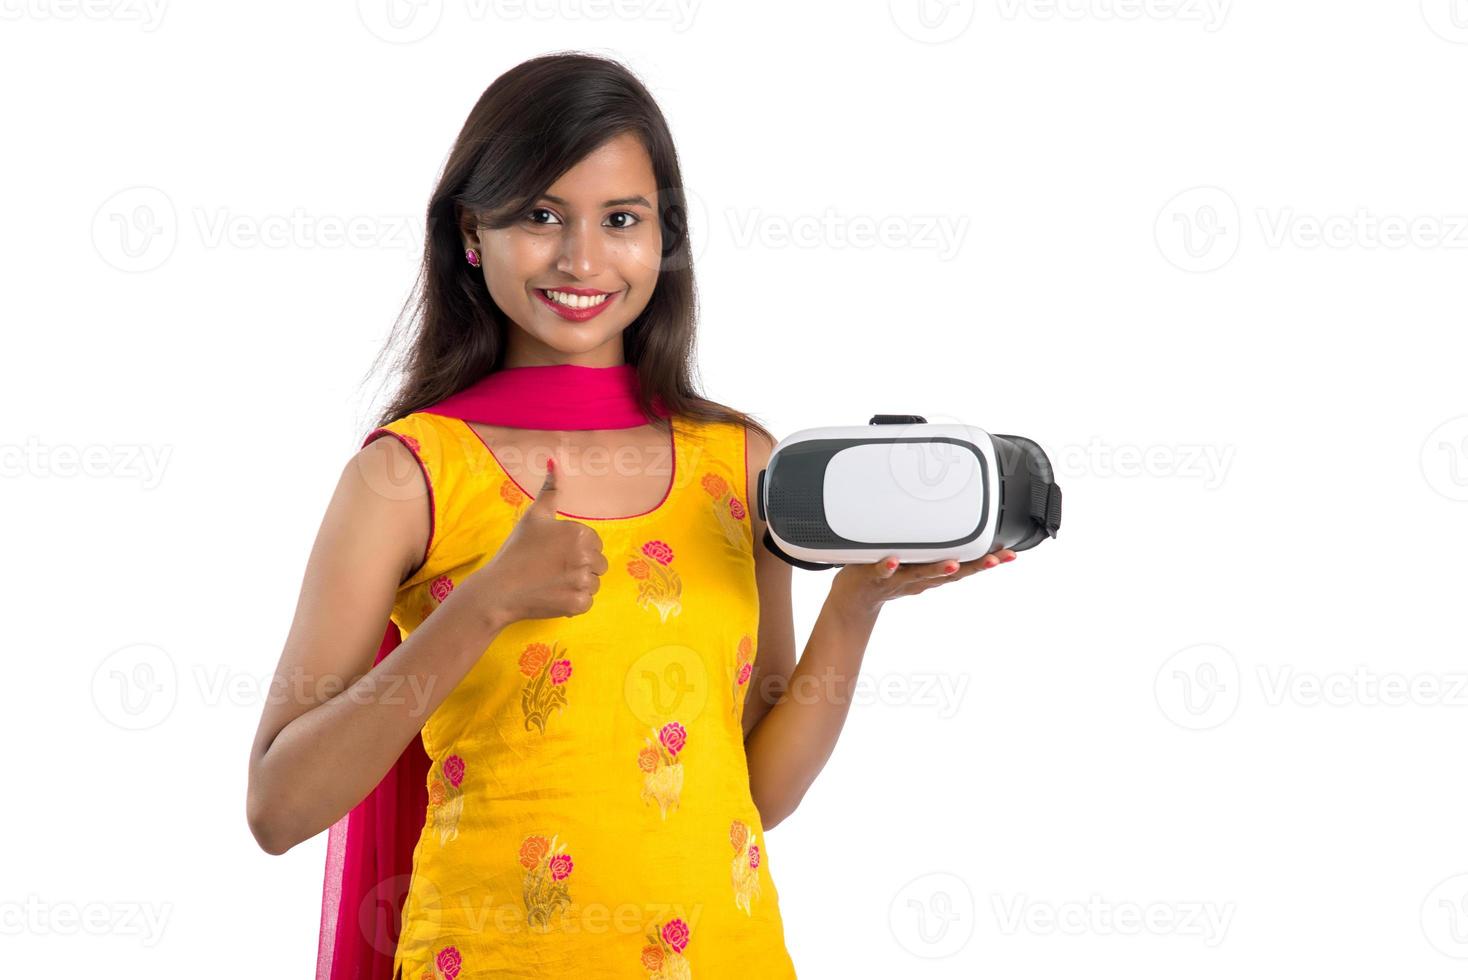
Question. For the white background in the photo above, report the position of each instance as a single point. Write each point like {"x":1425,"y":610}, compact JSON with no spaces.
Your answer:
{"x":1210,"y":254}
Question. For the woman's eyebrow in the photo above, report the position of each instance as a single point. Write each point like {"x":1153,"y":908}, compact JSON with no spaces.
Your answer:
{"x":636,"y":199}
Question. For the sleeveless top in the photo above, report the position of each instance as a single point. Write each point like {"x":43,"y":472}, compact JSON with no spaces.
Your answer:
{"x":589,"y":806}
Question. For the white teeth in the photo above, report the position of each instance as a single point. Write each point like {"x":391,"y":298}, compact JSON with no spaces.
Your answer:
{"x":577,"y":302}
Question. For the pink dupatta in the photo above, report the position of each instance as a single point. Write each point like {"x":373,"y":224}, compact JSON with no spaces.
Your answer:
{"x":369,"y":851}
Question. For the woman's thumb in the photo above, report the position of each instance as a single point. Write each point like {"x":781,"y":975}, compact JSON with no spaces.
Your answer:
{"x":545,"y":499}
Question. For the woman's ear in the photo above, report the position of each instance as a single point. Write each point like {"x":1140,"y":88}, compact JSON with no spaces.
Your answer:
{"x":469,"y":223}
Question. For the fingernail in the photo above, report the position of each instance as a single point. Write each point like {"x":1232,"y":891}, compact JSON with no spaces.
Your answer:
{"x":990,"y":562}
{"x":891,"y":563}
{"x":951,"y":567}
{"x":550,"y":462}
{"x":1009,"y":558}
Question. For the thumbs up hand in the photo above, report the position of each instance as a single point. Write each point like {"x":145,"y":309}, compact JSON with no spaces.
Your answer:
{"x":546,"y":567}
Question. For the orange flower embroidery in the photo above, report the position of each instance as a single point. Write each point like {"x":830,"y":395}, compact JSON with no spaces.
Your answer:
{"x":746,"y":865}
{"x":512,"y":495}
{"x":662,"y":773}
{"x":728,"y":509}
{"x":547,"y":866}
{"x":743,"y":668}
{"x":658,"y":585}
{"x":545,"y":690}
{"x":446,"y":798}
{"x":663,"y":957}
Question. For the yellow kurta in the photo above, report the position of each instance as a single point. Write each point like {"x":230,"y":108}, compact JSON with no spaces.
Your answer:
{"x":589,"y":806}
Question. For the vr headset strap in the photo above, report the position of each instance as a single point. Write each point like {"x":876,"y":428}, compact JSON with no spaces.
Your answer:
{"x":775,"y":550}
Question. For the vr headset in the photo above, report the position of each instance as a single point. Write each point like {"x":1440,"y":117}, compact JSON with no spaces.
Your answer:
{"x":900,"y":486}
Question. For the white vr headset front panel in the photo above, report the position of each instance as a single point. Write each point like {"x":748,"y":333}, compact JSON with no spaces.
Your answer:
{"x":884,"y":490}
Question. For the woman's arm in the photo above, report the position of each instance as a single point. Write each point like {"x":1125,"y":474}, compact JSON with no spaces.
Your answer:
{"x":794,"y":712}
{"x":334,"y":724}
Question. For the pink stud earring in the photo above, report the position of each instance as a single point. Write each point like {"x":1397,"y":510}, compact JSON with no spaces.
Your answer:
{"x":472,"y":256}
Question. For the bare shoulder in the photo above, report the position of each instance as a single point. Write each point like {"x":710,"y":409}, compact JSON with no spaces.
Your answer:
{"x":384,"y":495}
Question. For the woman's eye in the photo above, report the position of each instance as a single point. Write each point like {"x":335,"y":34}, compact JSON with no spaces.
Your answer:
{"x":632,"y":219}
{"x":531,"y":216}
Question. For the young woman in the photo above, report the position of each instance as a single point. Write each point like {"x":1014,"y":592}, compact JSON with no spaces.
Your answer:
{"x":585,"y":711}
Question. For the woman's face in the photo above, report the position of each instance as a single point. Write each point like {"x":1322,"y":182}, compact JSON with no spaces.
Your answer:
{"x":577,"y":268}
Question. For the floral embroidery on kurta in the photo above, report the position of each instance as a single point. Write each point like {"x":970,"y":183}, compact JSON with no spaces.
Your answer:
{"x":662,"y":773}
{"x":658,"y":584}
{"x":446,"y":965}
{"x":743,"y":668}
{"x":746,"y":865}
{"x":446,"y":798}
{"x":662,"y":957}
{"x":547,"y":670}
{"x":511,"y":494}
{"x":728,"y":508}
{"x":438,"y":591}
{"x":547,"y":866}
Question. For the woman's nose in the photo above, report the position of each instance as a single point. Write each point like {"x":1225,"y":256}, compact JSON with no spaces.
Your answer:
{"x":581,"y":253}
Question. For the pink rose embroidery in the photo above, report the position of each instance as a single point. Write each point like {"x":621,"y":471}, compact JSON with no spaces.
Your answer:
{"x":449,"y":962}
{"x":675,"y":934}
{"x":736,"y":508}
{"x":673,"y":736}
{"x":453,"y":768}
{"x":658,"y":551}
{"x":560,"y":671}
{"x":441,"y":587}
{"x":560,"y":866}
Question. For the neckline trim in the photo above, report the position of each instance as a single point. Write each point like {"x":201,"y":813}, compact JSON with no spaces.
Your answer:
{"x":675,"y":448}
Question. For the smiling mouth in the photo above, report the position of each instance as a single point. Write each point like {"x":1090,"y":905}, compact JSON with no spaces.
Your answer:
{"x":575,"y":301}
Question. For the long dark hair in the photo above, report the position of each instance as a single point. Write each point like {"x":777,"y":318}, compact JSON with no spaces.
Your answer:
{"x":535,"y":122}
